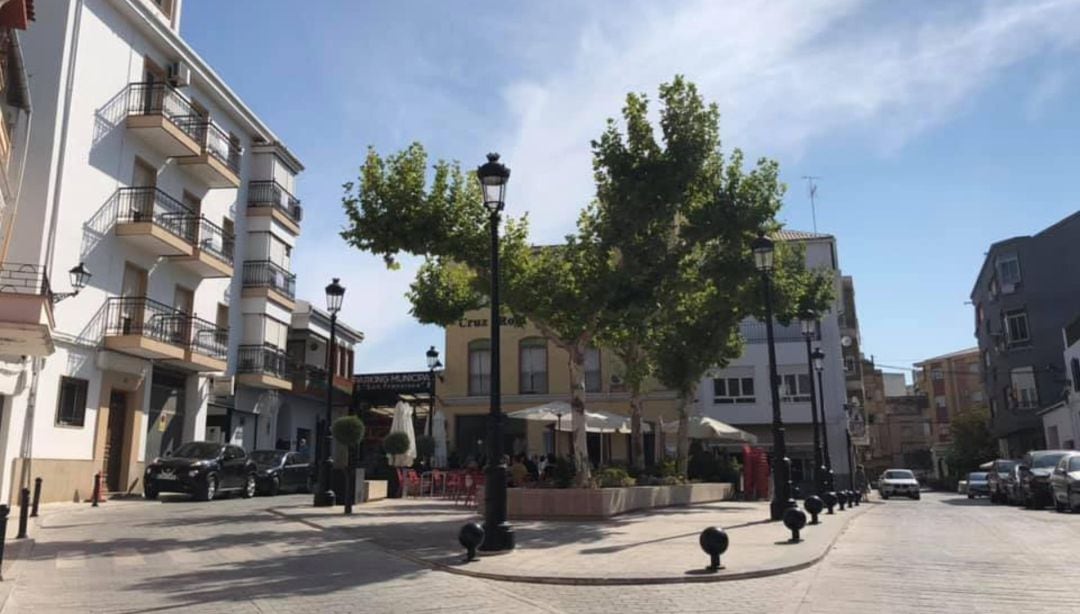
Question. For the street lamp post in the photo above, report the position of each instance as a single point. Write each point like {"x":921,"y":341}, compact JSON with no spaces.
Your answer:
{"x":324,"y":495}
{"x":819,"y":366}
{"x":763,"y":260}
{"x":80,"y":275}
{"x":809,"y":327}
{"x":498,"y":535}
{"x":432,"y":364}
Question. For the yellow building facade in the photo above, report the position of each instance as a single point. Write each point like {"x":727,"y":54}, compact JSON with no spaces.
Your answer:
{"x":534,"y":372}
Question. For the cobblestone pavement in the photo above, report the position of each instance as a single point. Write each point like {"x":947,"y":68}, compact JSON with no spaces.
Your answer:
{"x":942,"y":554}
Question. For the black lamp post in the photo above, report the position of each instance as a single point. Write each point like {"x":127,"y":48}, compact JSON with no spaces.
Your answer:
{"x":80,"y":275}
{"x":432,"y":364}
{"x":819,"y":366}
{"x":498,"y":535}
{"x":324,"y":495}
{"x":763,"y":260}
{"x":809,"y":328}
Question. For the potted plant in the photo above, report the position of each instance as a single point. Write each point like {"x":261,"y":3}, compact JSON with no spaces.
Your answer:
{"x":349,"y":431}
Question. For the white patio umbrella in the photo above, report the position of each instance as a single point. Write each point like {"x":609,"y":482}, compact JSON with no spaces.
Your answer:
{"x":403,"y":423}
{"x":439,"y":433}
{"x":703,"y":427}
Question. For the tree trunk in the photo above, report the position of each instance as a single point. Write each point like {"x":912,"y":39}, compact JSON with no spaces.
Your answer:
{"x":637,"y":436}
{"x":577,"y":406}
{"x":686,"y":401}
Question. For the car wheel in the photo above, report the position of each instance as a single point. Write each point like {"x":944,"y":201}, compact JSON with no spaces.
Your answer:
{"x":309,"y":486}
{"x":885,"y":496}
{"x":971,"y":496}
{"x":209,"y":489}
{"x":1059,"y":507}
{"x":275,"y":486}
{"x":249,"y":487}
{"x":150,"y":493}
{"x":915,"y":497}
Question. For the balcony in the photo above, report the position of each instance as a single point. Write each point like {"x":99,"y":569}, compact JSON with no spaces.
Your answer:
{"x":26,"y":316}
{"x":155,"y":221}
{"x":163,"y":117}
{"x":311,"y":381}
{"x":208,"y":348}
{"x":218,"y":162}
{"x":146,"y":328}
{"x":753,"y":331}
{"x":264,"y":279}
{"x":263,"y":366}
{"x":212,"y":253}
{"x":268,"y":198}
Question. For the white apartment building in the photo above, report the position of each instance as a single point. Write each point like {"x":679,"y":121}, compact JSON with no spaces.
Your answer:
{"x":739,"y":394}
{"x":143,"y":166}
{"x":1061,"y":421}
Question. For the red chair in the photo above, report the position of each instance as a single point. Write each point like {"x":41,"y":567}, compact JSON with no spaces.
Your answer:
{"x":412,"y":482}
{"x":438,"y":481}
{"x":454,"y":485}
{"x":473,"y":483}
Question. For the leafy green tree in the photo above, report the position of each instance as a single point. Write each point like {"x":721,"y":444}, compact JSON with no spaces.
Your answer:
{"x":348,"y":430}
{"x":972,"y":442}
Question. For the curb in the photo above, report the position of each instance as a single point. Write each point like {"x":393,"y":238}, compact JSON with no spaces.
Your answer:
{"x":597,"y":581}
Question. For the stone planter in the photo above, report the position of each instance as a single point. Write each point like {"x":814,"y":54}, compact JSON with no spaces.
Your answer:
{"x":593,"y":503}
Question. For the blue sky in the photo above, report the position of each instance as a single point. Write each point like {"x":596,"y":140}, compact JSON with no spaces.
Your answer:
{"x":937,"y":130}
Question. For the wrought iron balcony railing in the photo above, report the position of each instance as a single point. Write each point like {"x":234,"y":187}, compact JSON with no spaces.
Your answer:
{"x":148,"y":204}
{"x":266,"y":274}
{"x":262,"y":359}
{"x":272,"y":194}
{"x":215,"y":240}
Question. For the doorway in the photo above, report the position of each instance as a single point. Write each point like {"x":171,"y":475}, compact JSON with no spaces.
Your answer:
{"x":165,"y":419}
{"x":113,"y":461}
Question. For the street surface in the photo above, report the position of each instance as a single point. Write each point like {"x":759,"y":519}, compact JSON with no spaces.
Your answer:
{"x":942,"y":554}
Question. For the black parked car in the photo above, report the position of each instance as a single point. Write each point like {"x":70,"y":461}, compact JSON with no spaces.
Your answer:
{"x":281,"y":470}
{"x":1035,"y":471}
{"x":999,"y":478}
{"x":1065,"y":483}
{"x":203,"y":469}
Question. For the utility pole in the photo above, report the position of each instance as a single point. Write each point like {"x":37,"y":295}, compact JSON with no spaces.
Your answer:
{"x":811,"y":187}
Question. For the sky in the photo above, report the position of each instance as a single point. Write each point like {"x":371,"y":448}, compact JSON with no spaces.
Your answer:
{"x":936,"y":128}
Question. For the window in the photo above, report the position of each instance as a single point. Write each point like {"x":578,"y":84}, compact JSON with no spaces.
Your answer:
{"x":942,"y":414}
{"x":1016,"y":326}
{"x":1074,"y":369}
{"x":993,"y":408}
{"x":733,"y":390}
{"x":71,"y":406}
{"x":986,"y":359}
{"x":1025,"y":393}
{"x":532,"y":356}
{"x":849,"y":364}
{"x":937,"y":374}
{"x":592,"y":370}
{"x":940,"y":402}
{"x":1052,"y":437}
{"x":479,"y":367}
{"x":1008,"y":268}
{"x":796,"y":388}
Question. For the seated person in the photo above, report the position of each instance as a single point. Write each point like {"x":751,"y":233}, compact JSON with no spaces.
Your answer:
{"x":518,"y":472}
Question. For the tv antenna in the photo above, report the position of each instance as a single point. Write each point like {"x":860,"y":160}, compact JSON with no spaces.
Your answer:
{"x":811,"y":187}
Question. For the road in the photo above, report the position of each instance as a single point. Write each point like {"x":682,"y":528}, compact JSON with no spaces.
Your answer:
{"x":942,"y":554}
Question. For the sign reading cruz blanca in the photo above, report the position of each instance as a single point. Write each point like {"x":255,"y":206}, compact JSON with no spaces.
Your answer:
{"x":411,"y":382}
{"x":483,"y":322}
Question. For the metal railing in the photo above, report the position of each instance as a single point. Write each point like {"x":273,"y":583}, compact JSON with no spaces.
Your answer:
{"x":213,"y":238}
{"x":265,"y":359}
{"x":217,"y":143}
{"x":146,"y":204}
{"x":160,"y":98}
{"x":309,"y":379}
{"x":266,"y":274}
{"x":138,"y":315}
{"x":272,"y":194}
{"x":753,"y":331}
{"x":209,"y":339}
{"x":19,"y":278}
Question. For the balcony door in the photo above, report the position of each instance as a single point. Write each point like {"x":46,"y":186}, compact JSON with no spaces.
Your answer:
{"x":184,"y":302}
{"x":132,"y":290}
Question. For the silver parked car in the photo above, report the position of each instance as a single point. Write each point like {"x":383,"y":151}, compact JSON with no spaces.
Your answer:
{"x":1065,"y":483}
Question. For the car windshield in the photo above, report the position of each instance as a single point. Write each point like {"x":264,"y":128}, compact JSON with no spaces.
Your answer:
{"x":1046,"y":460}
{"x":1004,"y":467}
{"x":197,"y":449}
{"x":1074,"y":463}
{"x":899,"y":475}
{"x":266,"y":457}
{"x":977,"y":477}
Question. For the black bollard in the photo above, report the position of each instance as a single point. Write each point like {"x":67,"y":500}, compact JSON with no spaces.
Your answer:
{"x":714,"y":541}
{"x":813,"y":505}
{"x":4,"y":511}
{"x":471,"y":536}
{"x":795,"y":520}
{"x":97,"y":490}
{"x":830,"y":500}
{"x":856,"y":497}
{"x":24,"y":512}
{"x":841,"y":499}
{"x":37,"y":497}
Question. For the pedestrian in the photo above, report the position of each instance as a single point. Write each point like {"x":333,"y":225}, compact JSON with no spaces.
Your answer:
{"x":302,"y":447}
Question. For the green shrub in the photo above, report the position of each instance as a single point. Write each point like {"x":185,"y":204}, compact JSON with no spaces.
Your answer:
{"x":613,"y":477}
{"x":396,"y":443}
{"x":348,"y":430}
{"x":564,"y":472}
{"x":425,"y":446}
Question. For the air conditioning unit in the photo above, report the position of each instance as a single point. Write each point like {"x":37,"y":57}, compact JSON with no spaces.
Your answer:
{"x":222,"y":386}
{"x":298,"y":213}
{"x":179,"y":74}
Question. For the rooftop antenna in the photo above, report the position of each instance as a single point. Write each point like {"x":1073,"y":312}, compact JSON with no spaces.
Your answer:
{"x":812,"y":188}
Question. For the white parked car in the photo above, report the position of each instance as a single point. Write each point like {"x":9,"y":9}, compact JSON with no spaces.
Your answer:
{"x":900,"y":482}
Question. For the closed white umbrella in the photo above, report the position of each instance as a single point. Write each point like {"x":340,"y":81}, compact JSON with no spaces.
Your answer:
{"x":402,"y":423}
{"x":439,"y":433}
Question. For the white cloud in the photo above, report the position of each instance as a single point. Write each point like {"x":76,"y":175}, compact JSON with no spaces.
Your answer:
{"x":785,"y":74}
